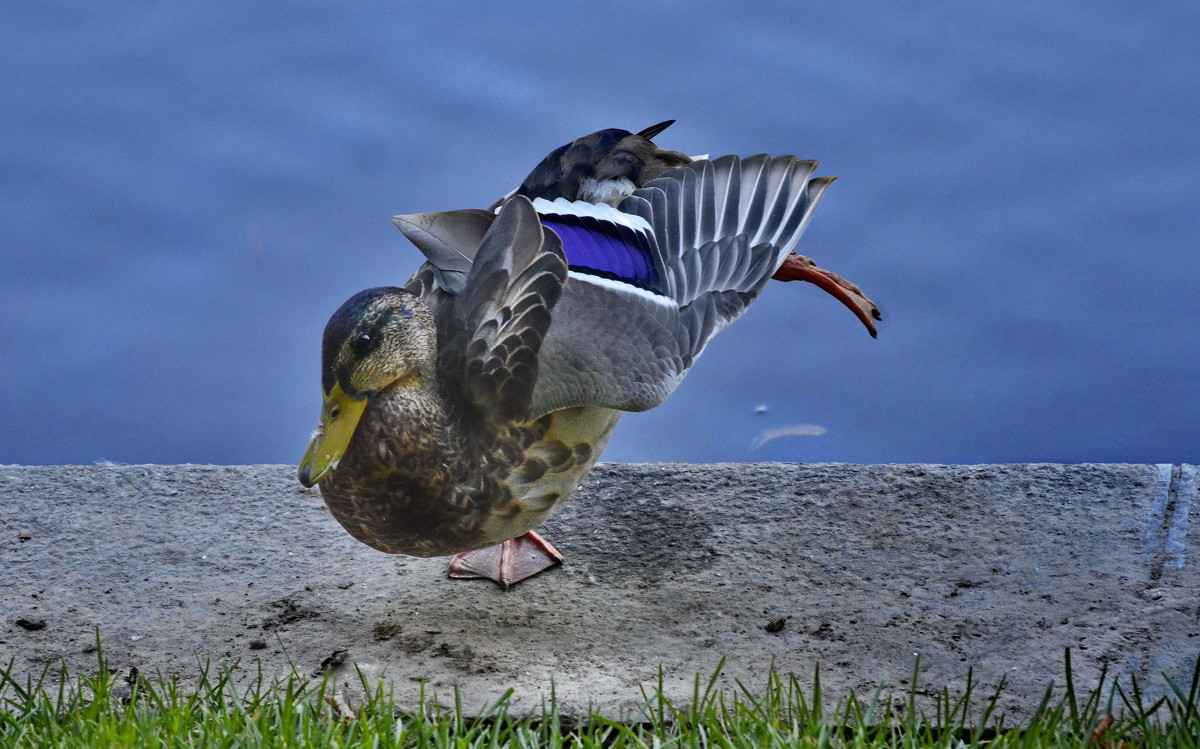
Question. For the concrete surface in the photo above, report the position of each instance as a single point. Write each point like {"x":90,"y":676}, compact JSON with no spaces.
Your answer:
{"x":995,"y":567}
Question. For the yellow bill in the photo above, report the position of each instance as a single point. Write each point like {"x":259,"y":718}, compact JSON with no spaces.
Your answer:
{"x":339,"y":417}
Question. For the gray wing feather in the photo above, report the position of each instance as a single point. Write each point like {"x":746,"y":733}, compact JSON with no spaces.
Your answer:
{"x":425,"y":285}
{"x":707,"y":202}
{"x":595,"y":355}
{"x":800,"y":184}
{"x":727,"y":174}
{"x":491,"y":333}
{"x":664,"y":201}
{"x":778,"y":190}
{"x":752,"y":196}
{"x":721,"y":229}
{"x":688,"y":209}
{"x":449,"y":239}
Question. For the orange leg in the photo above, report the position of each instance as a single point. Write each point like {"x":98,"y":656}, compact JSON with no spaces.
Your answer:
{"x":507,"y":563}
{"x":800,"y":268}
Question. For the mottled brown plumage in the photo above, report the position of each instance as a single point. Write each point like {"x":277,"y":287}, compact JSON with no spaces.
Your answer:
{"x":411,"y":484}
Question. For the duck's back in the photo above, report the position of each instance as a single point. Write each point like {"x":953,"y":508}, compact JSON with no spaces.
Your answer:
{"x":604,"y":167}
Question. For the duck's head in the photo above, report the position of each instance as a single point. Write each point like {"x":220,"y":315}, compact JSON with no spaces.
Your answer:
{"x":378,"y":340}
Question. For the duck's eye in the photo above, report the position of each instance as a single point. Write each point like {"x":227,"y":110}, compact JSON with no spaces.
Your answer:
{"x":364,"y":343}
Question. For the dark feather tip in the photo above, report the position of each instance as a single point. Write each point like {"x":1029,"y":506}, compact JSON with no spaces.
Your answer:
{"x":654,"y":130}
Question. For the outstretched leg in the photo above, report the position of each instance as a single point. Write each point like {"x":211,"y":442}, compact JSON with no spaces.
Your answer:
{"x":507,"y":563}
{"x":800,"y":268}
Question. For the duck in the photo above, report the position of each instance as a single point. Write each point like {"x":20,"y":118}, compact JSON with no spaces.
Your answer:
{"x":463,"y":408}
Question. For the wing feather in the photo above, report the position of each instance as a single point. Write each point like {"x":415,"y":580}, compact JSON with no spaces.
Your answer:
{"x":449,"y":239}
{"x":721,"y":229}
{"x":728,"y":178}
{"x":753,"y":193}
{"x":491,"y":333}
{"x":689,"y":223}
{"x":707,"y":200}
{"x":800,"y":185}
{"x":525,"y":337}
{"x":779,"y":182}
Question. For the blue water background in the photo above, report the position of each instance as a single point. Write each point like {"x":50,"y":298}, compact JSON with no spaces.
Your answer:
{"x":187,"y":191}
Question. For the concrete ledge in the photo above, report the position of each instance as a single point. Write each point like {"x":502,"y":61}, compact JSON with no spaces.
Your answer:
{"x":998,"y":568}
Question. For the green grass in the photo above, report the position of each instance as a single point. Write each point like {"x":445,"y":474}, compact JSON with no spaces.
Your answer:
{"x":115,"y":710}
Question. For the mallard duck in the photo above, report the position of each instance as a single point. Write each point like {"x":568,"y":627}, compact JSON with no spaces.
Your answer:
{"x":461,"y":409}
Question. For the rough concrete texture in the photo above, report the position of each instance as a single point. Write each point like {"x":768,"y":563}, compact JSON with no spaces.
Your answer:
{"x":995,"y":567}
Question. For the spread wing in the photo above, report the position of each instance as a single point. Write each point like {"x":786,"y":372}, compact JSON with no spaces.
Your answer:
{"x":690,"y":252}
{"x":489,"y":335}
{"x":645,"y":288}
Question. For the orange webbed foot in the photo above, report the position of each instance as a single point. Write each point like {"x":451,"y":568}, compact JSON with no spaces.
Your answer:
{"x":507,"y":563}
{"x":800,"y":268}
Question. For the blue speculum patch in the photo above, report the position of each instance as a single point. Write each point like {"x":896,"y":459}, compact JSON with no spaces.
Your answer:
{"x":607,"y":250}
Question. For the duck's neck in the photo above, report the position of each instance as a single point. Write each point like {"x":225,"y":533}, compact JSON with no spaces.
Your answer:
{"x":404,"y":444}
{"x":403,"y":447}
{"x":400,"y":485}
